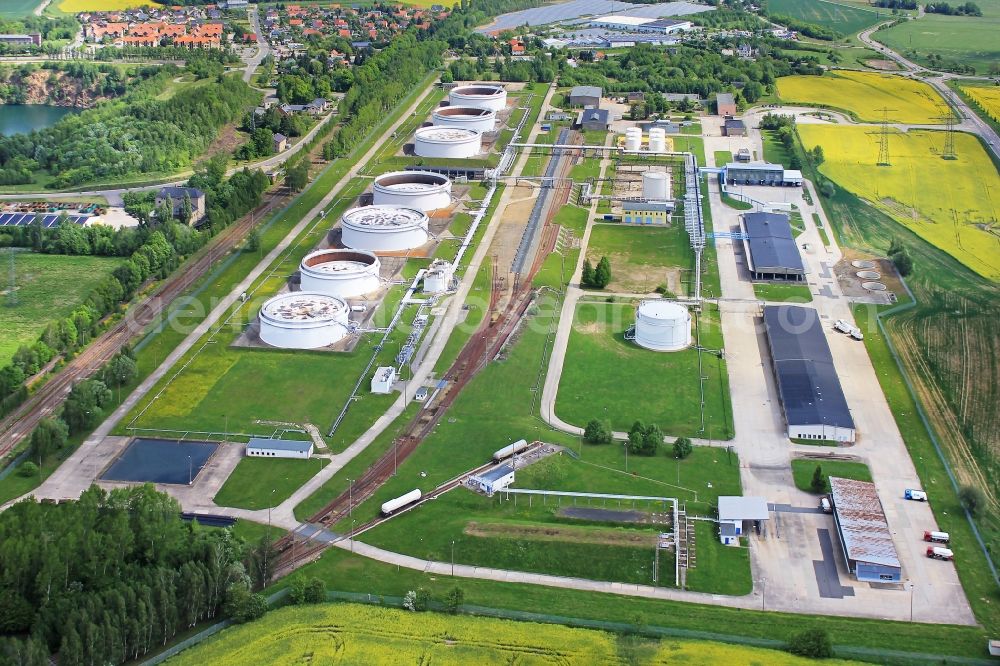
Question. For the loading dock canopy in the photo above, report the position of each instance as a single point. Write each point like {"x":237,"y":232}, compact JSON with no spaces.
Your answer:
{"x":807,"y":380}
{"x":743,"y":508}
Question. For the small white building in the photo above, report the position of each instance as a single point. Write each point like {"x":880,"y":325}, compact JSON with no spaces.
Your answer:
{"x":259,"y":447}
{"x":734,"y":512}
{"x":494,"y":479}
{"x":383,"y":379}
{"x":421,"y":394}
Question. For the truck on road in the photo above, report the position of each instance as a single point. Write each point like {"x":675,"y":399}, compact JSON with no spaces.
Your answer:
{"x":939,"y":553}
{"x":915,"y":495}
{"x":937,"y":537}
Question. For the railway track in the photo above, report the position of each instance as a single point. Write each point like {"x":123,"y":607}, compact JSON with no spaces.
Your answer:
{"x":47,"y":399}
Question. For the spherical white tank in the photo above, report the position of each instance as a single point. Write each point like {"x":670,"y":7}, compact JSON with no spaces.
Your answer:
{"x":657,"y":140}
{"x":488,"y":96}
{"x":656,"y":186}
{"x":453,"y":142}
{"x":633,"y":139}
{"x":420,"y":190}
{"x":662,"y":326}
{"x":341,"y":273}
{"x":465,"y":117}
{"x":303,"y":320}
{"x":383,"y":228}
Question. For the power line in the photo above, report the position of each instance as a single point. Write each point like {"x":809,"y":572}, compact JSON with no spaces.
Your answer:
{"x":883,"y":138}
{"x":949,"y":152}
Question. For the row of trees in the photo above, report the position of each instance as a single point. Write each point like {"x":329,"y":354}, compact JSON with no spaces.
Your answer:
{"x":966,"y":9}
{"x":126,"y":577}
{"x":813,"y":30}
{"x":642,"y":440}
{"x":596,"y":278}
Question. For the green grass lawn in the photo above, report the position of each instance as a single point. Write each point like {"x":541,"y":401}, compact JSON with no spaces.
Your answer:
{"x":697,"y":480}
{"x":49,"y":287}
{"x":606,"y":376}
{"x":782,"y":293}
{"x":690,"y":144}
{"x":642,"y":256}
{"x":557,"y":268}
{"x":490,"y":533}
{"x":840,"y":17}
{"x":719,"y":569}
{"x":804,"y":468}
{"x":251,"y":484}
{"x":732,"y":202}
{"x":723,"y":157}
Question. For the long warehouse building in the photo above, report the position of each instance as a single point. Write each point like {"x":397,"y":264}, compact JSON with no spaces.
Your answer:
{"x":812,"y":399}
{"x":771,"y":251}
{"x":864,"y":532}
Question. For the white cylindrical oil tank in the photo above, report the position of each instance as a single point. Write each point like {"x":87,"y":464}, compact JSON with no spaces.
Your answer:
{"x":303,"y":320}
{"x":420,"y":190}
{"x":489,"y":96}
{"x":466,"y":117}
{"x":656,"y":186}
{"x":340,"y":273}
{"x":438,"y":277}
{"x":662,"y":326}
{"x":657,"y":140}
{"x":633,"y":139}
{"x":453,"y":142}
{"x":383,"y":228}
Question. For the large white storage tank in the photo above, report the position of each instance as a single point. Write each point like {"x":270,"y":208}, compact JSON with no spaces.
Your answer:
{"x":341,"y":273}
{"x":451,"y":142}
{"x":662,"y":326}
{"x":656,"y":186}
{"x":633,"y":139}
{"x":420,"y":190}
{"x":488,"y":96}
{"x":383,"y":228}
{"x":657,"y":140}
{"x":465,"y":117}
{"x":303,"y":320}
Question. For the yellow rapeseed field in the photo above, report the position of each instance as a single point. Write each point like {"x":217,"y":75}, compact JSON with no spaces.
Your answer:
{"x":988,"y":99}
{"x":864,"y":93}
{"x":953,"y":204}
{"x":358,"y":634}
{"x":75,"y":6}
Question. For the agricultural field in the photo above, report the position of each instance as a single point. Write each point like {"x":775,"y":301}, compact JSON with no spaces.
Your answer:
{"x":49,"y":287}
{"x":842,"y":18}
{"x":863,"y":94}
{"x":968,"y":40}
{"x":354,"y":633}
{"x":16,"y":8}
{"x":76,"y":6}
{"x":988,"y":99}
{"x":958,"y":219}
{"x":607,"y":377}
{"x":643,"y":258}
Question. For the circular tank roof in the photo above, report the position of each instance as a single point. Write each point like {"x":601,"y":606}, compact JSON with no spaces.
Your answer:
{"x":464,"y":112}
{"x":479,"y":90}
{"x":375,"y":218}
{"x":665,"y":310}
{"x":305,"y":308}
{"x":411,"y":181}
{"x":863,"y":263}
{"x":446,"y":134}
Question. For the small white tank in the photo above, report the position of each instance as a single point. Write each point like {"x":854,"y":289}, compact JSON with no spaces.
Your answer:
{"x":662,"y":326}
{"x":657,"y":140}
{"x":438,"y":277}
{"x":633,"y":139}
{"x":656,"y":186}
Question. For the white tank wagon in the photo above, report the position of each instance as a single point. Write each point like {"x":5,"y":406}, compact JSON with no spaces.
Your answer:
{"x":447,"y":142}
{"x":510,"y":450}
{"x":662,"y":326}
{"x":420,"y":190}
{"x":465,"y":117}
{"x":656,"y":186}
{"x":340,"y":273}
{"x":303,"y":320}
{"x":383,"y":228}
{"x":393,"y":505}
{"x":489,"y":96}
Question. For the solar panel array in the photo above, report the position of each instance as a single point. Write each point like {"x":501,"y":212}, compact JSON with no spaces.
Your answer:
{"x":49,"y":220}
{"x":566,"y":12}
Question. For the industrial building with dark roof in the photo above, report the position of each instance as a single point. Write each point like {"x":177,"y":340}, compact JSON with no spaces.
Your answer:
{"x":771,"y":251}
{"x":812,"y":400}
{"x":864,"y":532}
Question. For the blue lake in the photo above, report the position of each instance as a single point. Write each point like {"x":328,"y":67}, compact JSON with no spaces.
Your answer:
{"x":17,"y":118}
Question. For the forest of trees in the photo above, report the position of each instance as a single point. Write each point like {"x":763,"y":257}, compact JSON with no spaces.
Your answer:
{"x":114,"y":575}
{"x":49,"y":27}
{"x":965,"y":9}
{"x":136,"y":134}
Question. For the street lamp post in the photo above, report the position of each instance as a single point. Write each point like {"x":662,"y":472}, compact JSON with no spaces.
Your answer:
{"x":267,"y":550}
{"x":350,"y":508}
{"x":453,"y":560}
{"x":763,"y":593}
{"x":190,"y":471}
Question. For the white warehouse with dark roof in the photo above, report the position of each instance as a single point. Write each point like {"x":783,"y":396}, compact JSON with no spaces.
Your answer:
{"x":812,"y":400}
{"x":770,"y":247}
